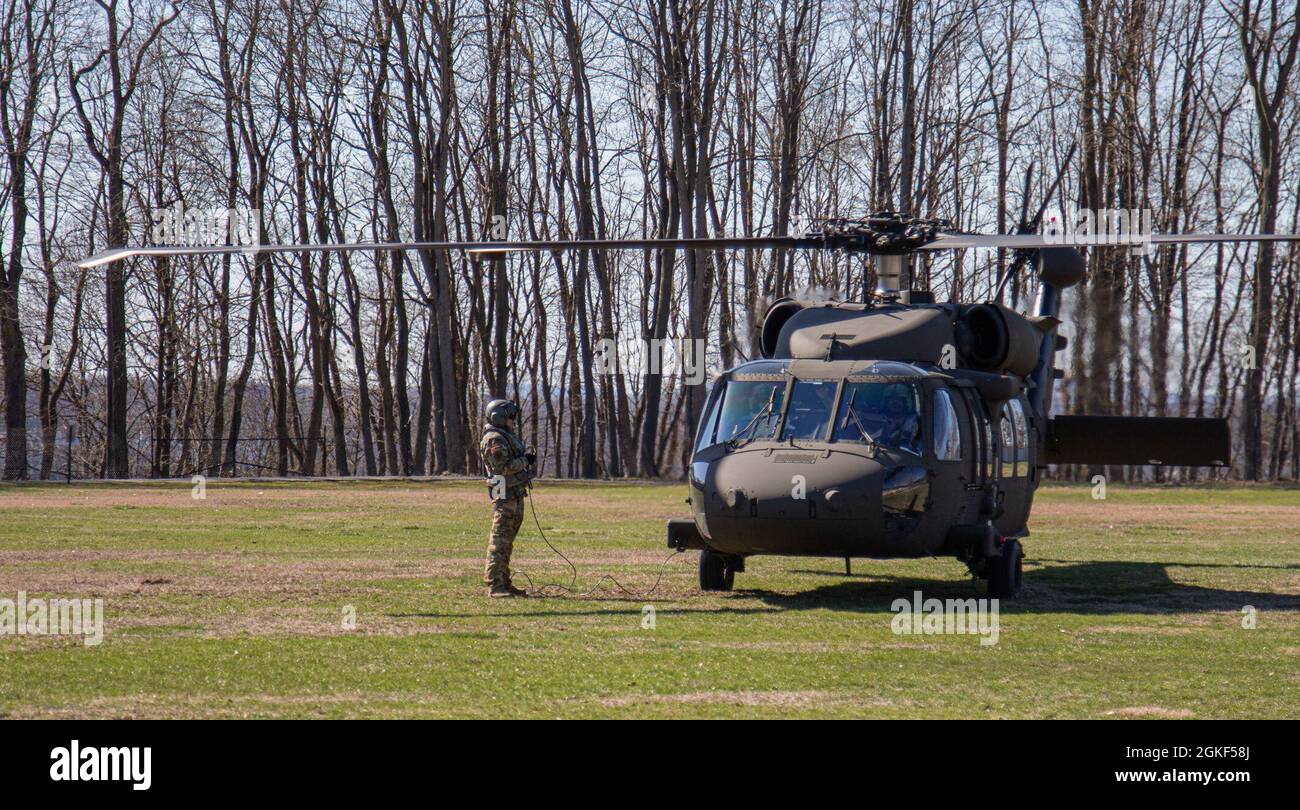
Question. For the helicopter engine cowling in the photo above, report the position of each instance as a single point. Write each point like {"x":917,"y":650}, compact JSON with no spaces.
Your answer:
{"x":843,"y":331}
{"x":987,"y":337}
{"x":778,"y":315}
{"x":991,"y":337}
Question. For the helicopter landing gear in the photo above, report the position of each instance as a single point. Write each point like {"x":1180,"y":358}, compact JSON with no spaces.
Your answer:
{"x":1004,"y":572}
{"x":718,"y":571}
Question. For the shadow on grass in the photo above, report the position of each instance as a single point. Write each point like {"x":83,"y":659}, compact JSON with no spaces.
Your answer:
{"x":1087,"y":588}
{"x":1083,"y":588}
{"x":1280,"y":567}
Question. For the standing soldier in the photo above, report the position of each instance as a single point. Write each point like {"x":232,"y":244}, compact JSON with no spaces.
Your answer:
{"x":510,"y":467}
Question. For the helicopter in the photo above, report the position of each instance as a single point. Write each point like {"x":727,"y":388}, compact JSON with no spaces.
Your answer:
{"x":899,"y":427}
{"x":891,"y":427}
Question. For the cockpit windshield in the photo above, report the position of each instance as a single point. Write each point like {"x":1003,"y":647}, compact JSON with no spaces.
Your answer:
{"x":879,"y":406}
{"x":750,"y":410}
{"x":810,"y":409}
{"x":885,"y":413}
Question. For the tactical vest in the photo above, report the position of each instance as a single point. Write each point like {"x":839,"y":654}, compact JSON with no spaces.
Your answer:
{"x":515,"y":483}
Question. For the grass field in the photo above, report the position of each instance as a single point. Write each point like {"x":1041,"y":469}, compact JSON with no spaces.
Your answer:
{"x":235,"y":606}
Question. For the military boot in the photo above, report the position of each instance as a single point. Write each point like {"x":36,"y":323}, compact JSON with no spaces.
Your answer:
{"x":501,"y":590}
{"x":510,"y":586}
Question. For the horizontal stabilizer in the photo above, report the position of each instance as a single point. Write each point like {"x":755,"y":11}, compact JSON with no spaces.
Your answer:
{"x":1138,"y":440}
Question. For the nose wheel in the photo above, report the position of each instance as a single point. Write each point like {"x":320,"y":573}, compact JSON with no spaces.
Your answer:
{"x":1004,"y":572}
{"x":717,"y":571}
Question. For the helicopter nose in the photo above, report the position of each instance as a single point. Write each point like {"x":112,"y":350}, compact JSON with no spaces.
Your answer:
{"x":796,"y":485}
{"x":793,"y":502}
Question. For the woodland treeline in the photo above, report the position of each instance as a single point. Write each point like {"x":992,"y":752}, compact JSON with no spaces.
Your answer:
{"x":381,"y":120}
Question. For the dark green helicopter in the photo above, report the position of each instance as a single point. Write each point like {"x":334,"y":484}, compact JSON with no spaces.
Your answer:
{"x":891,"y":427}
{"x":901,"y":427}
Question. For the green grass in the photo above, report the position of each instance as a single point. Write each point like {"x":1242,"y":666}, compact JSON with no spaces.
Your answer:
{"x":233,"y":606}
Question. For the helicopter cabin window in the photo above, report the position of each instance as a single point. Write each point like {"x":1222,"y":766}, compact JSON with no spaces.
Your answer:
{"x":1021,"y":428}
{"x":887,"y":414}
{"x":750,"y":409}
{"x":1007,"y":444}
{"x":947,"y":433}
{"x":990,"y":461}
{"x":810,"y":409}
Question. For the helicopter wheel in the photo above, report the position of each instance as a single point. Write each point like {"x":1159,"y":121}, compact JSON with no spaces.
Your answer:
{"x":1004,"y":572}
{"x":717,"y":572}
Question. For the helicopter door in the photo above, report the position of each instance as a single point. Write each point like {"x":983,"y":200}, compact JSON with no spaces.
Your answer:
{"x":955,"y":448}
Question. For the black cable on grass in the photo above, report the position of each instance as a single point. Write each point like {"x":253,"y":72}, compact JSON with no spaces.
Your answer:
{"x":553,"y":590}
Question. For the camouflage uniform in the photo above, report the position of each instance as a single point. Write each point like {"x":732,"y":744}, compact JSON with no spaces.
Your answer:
{"x":509,"y":471}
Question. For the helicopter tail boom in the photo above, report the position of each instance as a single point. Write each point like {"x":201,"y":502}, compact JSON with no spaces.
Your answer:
{"x":1137,"y":440}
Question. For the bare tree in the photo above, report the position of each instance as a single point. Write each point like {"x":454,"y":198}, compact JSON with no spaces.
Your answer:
{"x":1269,"y":40}
{"x":116,"y":71}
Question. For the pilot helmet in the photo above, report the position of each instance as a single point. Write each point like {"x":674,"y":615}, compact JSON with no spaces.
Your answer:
{"x":501,"y":410}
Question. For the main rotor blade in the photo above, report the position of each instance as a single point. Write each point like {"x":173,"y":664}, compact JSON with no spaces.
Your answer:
{"x":706,"y":243}
{"x":945,"y":241}
{"x":952,"y":241}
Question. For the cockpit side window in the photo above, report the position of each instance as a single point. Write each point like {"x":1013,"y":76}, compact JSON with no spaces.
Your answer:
{"x":947,"y":432}
{"x":886,"y":413}
{"x":810,"y":409}
{"x":708,"y":424}
{"x":750,"y":409}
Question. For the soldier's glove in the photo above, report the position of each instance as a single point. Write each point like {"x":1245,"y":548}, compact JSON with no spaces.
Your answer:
{"x":532,"y":459}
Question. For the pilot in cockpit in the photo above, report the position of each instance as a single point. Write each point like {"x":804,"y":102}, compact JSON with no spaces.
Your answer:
{"x":902,"y":428}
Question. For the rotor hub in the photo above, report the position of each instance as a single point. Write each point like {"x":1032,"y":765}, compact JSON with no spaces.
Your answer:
{"x":884,"y":233}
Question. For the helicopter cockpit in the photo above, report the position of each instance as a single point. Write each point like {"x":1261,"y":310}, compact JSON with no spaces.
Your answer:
{"x":847,"y":442}
{"x":877,"y":404}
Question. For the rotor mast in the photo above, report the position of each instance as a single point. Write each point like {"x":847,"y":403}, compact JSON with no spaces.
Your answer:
{"x":889,"y":275}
